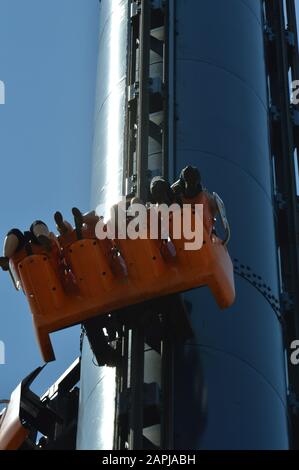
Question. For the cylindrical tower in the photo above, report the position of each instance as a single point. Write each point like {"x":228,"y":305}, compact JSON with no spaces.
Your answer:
{"x":97,"y":394}
{"x":218,"y":113}
{"x":222,"y":127}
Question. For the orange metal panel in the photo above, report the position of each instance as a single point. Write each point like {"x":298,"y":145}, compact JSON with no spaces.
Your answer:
{"x":12,"y":432}
{"x":143,"y":273}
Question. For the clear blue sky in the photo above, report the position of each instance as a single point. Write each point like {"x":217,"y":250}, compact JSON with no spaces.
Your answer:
{"x":48,"y":58}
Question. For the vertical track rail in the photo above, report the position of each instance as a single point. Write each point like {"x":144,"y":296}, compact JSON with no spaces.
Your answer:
{"x":283,"y":67}
{"x":143,"y":100}
{"x":137,"y":385}
{"x":145,"y":18}
{"x":167,"y":386}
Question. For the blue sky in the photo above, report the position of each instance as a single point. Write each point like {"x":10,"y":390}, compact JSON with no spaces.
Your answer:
{"x":48,"y":58}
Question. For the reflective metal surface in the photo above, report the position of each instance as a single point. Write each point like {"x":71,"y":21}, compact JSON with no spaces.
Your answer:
{"x":96,"y":404}
{"x":97,"y":394}
{"x":107,"y":170}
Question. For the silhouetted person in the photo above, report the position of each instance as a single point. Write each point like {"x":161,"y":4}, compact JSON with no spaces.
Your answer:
{"x":161,"y":191}
{"x":189,"y":183}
